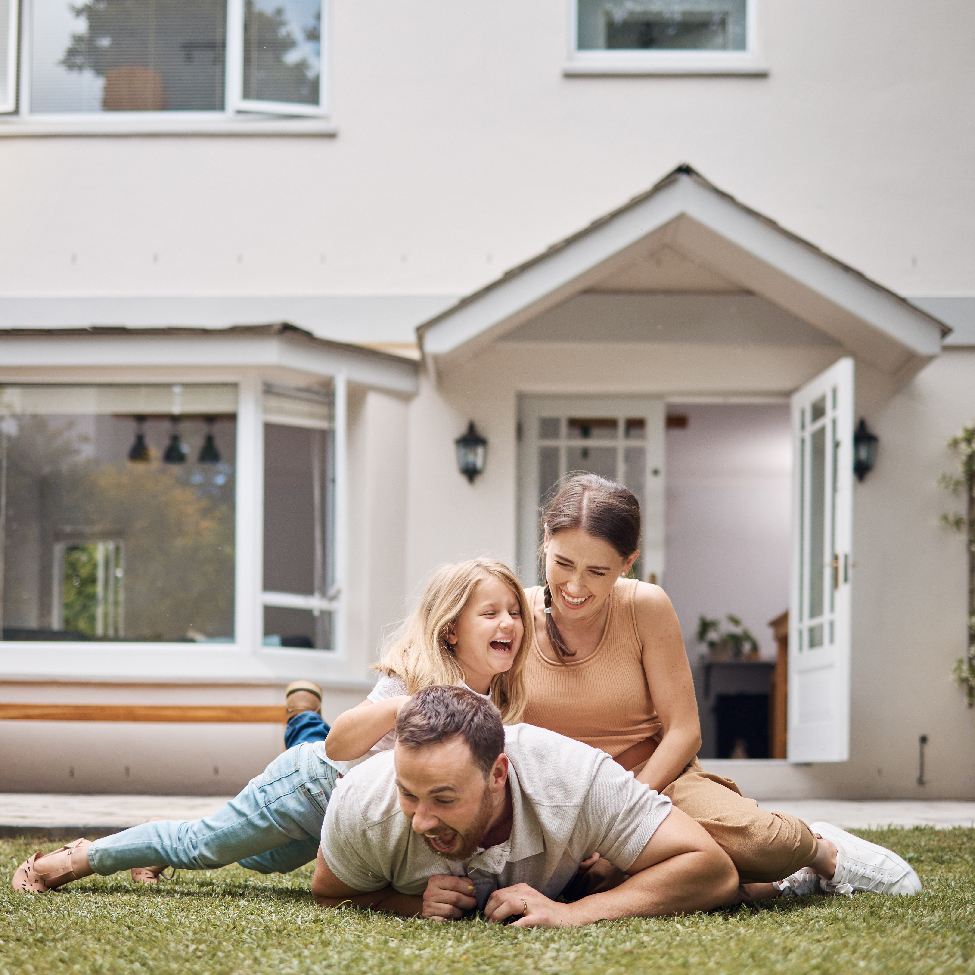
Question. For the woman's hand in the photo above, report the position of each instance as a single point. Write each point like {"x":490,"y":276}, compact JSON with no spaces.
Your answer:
{"x":671,"y":687}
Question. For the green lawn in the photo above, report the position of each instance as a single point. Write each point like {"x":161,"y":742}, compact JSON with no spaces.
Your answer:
{"x":233,"y":921}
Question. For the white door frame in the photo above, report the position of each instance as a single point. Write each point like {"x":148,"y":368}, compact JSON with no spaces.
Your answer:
{"x":530,"y":410}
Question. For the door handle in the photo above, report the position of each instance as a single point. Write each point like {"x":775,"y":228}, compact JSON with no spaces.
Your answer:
{"x":835,"y":566}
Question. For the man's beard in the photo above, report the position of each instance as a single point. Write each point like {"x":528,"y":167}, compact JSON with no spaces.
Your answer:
{"x":463,"y":843}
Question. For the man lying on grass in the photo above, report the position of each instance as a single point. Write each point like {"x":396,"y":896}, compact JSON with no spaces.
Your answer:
{"x":460,"y":817}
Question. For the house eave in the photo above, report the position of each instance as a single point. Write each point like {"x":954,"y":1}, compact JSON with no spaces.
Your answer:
{"x":711,"y":227}
{"x":62,"y":352}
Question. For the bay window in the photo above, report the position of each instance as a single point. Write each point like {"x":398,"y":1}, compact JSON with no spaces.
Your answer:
{"x":117,"y":513}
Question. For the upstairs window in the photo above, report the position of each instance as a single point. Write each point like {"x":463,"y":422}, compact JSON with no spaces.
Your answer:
{"x":665,"y":36}
{"x":163,"y":56}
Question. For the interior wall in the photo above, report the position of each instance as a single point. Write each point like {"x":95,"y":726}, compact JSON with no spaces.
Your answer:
{"x":728,"y":525}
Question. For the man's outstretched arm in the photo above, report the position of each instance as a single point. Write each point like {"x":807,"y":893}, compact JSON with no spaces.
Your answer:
{"x":679,"y":871}
{"x":445,"y":896}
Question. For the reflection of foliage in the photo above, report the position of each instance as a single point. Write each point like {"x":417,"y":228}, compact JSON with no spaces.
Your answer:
{"x":80,"y":589}
{"x":964,"y":446}
{"x":179,"y":542}
{"x":168,"y":35}
{"x":268,"y":75}
{"x":143,"y":32}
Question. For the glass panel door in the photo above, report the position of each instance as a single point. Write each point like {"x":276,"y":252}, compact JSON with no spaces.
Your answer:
{"x":819,"y":612}
{"x":616,"y":438}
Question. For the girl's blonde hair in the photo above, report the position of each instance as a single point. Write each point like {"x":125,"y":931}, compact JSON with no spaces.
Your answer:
{"x":419,"y":654}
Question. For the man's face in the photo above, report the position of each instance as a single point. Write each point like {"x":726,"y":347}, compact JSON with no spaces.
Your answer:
{"x":448,"y":799}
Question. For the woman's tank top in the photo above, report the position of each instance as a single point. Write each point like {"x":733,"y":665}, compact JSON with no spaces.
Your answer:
{"x":603,"y":700}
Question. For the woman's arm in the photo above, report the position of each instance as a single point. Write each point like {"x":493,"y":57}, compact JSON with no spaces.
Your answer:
{"x":355,"y":731}
{"x":671,"y":687}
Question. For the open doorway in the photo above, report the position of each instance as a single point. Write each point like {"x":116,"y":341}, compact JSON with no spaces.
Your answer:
{"x":728,"y":532}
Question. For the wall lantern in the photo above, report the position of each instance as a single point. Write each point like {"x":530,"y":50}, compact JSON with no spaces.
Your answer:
{"x":471,"y":452}
{"x":864,"y":450}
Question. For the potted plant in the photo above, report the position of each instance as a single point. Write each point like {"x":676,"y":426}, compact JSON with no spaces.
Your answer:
{"x":729,"y":641}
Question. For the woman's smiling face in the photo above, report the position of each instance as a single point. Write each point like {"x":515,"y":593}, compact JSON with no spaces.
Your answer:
{"x":581,"y":570}
{"x":487,"y":635}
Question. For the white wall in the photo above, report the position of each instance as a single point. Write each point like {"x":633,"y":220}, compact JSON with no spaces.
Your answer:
{"x":729,"y":496}
{"x":462,"y":150}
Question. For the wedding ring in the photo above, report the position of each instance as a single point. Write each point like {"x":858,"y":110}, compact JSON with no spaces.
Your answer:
{"x":525,"y":905}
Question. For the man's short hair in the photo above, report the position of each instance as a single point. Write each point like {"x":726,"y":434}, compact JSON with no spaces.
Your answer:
{"x":437,"y":714}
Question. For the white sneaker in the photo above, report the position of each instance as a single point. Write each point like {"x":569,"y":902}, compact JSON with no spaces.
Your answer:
{"x":866,"y":866}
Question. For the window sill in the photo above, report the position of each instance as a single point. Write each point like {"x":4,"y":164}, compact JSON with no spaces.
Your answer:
{"x":625,"y":63}
{"x":143,"y":125}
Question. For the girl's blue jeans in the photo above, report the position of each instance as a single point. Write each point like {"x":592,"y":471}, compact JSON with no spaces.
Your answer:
{"x":274,"y":825}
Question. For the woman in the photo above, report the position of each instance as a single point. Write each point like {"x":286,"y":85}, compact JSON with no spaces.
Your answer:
{"x":468,"y":629}
{"x":608,"y":667}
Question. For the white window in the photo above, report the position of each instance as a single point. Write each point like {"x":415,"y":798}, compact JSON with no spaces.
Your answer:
{"x":117,"y":513}
{"x":173,"y":58}
{"x":664,"y":37}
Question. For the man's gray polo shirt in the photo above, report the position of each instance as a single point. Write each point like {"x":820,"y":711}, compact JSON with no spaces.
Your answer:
{"x":568,"y":802}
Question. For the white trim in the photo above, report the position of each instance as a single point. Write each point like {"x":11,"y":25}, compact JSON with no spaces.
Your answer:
{"x":340,"y":561}
{"x":249,"y":529}
{"x":221,"y":350}
{"x":590,"y":63}
{"x":13,"y":38}
{"x":585,"y":67}
{"x":290,"y":600}
{"x":165,"y":124}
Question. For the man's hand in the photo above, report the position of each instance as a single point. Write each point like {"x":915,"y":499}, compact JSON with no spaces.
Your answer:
{"x":448,"y":897}
{"x":534,"y":908}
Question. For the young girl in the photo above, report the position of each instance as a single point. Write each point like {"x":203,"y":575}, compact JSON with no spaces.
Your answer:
{"x":468,"y":629}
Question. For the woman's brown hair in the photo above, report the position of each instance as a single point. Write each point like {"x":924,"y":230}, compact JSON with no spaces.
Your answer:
{"x":601,"y":508}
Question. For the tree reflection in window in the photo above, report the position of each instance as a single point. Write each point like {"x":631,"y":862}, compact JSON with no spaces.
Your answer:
{"x":158,"y":55}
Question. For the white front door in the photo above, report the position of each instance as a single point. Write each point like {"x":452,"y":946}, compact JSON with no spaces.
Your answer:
{"x":819,"y":604}
{"x":618,"y":438}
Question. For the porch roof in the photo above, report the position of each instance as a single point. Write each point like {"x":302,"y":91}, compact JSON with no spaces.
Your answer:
{"x":732,"y":249}
{"x":40,"y":354}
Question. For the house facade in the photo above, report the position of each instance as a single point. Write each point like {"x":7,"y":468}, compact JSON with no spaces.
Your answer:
{"x":248,"y":306}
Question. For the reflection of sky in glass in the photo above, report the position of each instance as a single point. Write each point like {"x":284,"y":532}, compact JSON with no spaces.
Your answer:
{"x":301,"y":16}
{"x":53,"y":87}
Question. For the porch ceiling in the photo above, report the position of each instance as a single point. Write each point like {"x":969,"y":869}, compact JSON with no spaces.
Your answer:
{"x":685,"y":237}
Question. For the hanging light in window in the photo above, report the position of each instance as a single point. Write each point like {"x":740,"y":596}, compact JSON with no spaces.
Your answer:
{"x":208,"y":452}
{"x":139,"y":451}
{"x":176,"y":451}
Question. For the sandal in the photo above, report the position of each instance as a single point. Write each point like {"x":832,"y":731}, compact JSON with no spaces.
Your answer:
{"x":34,"y":876}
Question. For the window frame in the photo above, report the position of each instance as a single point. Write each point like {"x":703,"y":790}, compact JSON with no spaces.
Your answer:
{"x":238,"y":116}
{"x":751,"y":61}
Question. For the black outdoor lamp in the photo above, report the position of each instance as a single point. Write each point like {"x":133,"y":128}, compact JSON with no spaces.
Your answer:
{"x":139,"y":451}
{"x":471,"y":452}
{"x":864,"y":450}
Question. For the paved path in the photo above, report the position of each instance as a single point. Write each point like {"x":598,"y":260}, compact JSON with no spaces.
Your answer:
{"x":32,"y":813}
